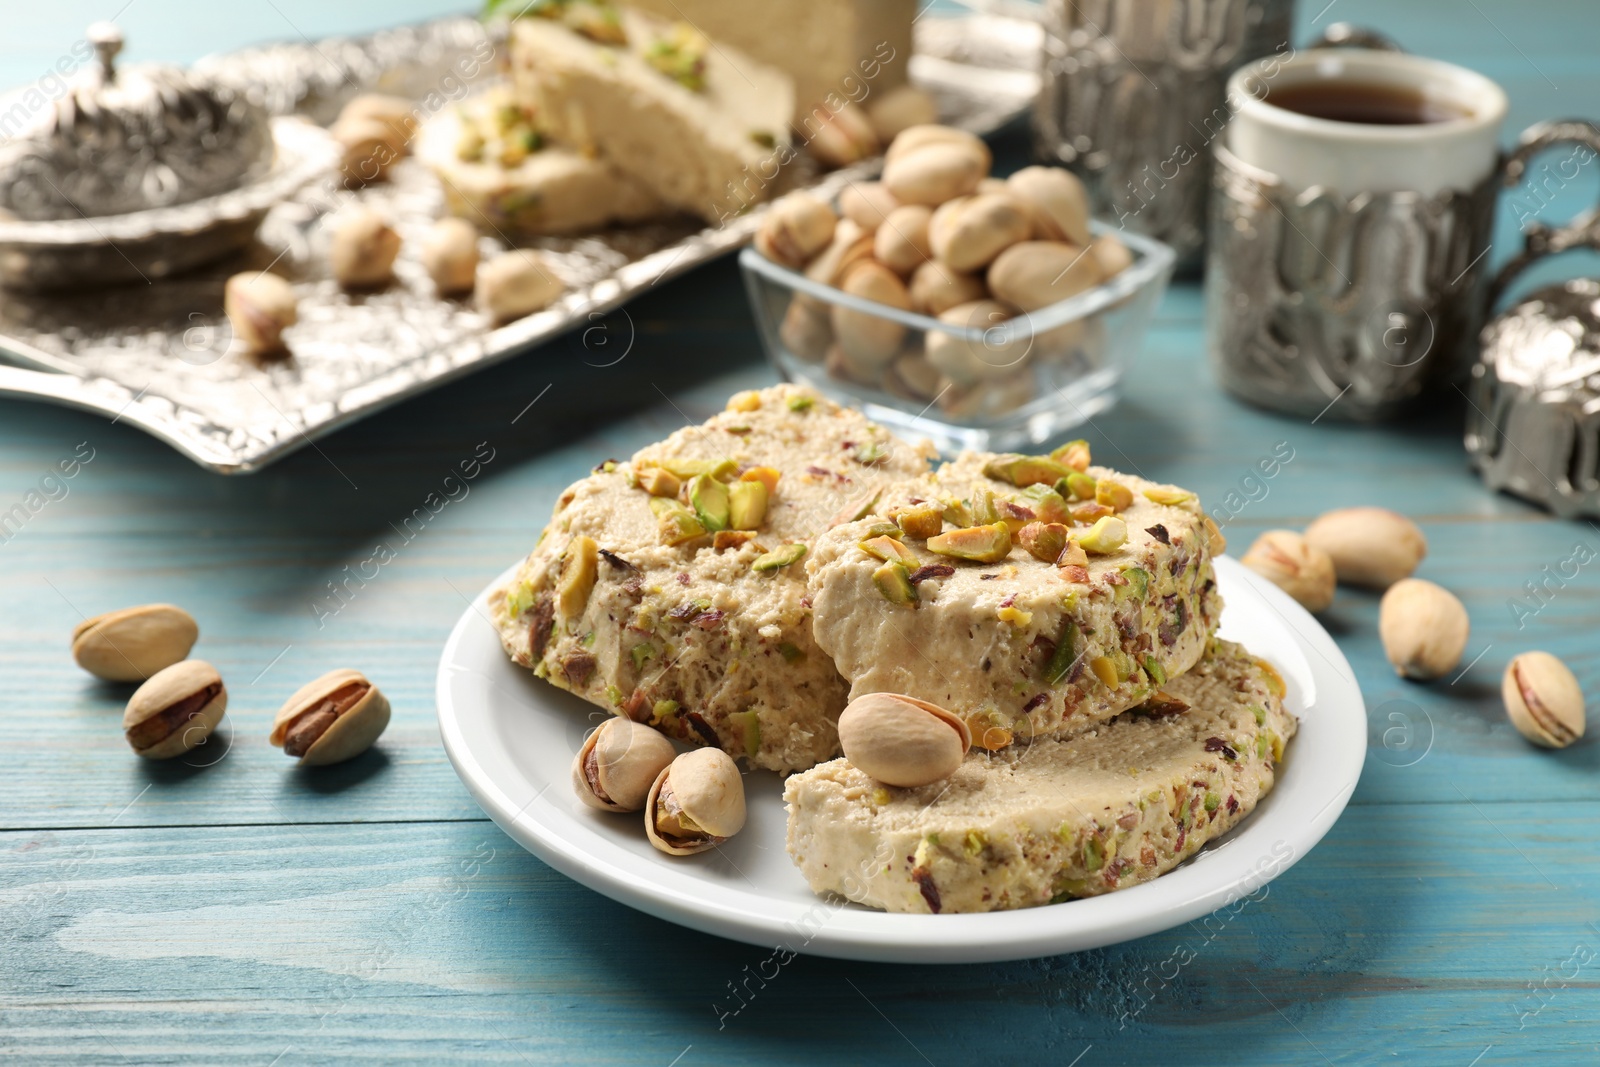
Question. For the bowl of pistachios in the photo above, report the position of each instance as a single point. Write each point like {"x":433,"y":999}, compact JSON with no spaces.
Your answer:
{"x":979,"y":312}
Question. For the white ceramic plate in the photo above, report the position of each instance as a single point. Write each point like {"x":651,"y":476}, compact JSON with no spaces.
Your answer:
{"x":511,"y":738}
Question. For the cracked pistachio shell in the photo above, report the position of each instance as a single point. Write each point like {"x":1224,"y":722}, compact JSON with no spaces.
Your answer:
{"x":516,"y":283}
{"x":971,"y":234}
{"x":363,"y":249}
{"x":360,"y":713}
{"x":899,"y":109}
{"x":936,"y":288}
{"x":1371,"y":547}
{"x":1424,"y":628}
{"x":132,"y":644}
{"x":902,"y":741}
{"x":704,"y":785}
{"x":869,"y":339}
{"x":1543,"y":700}
{"x":1035,"y":274}
{"x":175,"y":709}
{"x":449,"y":254}
{"x":627,"y":757}
{"x":936,"y":171}
{"x":795,"y":230}
{"x":1055,"y":201}
{"x":1294,"y":565}
{"x":866,"y":204}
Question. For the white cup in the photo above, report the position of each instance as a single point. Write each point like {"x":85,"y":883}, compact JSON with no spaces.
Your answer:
{"x":1351,"y":157}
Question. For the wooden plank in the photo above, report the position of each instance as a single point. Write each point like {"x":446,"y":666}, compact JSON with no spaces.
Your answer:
{"x":445,"y":942}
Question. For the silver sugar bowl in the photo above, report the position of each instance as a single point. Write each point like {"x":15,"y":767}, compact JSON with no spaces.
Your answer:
{"x":140,"y":172}
{"x":1533,"y":424}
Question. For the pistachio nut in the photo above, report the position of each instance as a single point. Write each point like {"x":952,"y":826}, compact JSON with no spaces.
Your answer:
{"x":1424,"y":628}
{"x":1294,"y":565}
{"x":696,"y":803}
{"x":977,"y":230}
{"x":871,"y":339}
{"x":899,"y":109}
{"x":449,"y":253}
{"x":796,"y":229}
{"x":867,"y":204}
{"x":1371,"y":547}
{"x":1002,"y":345}
{"x":259,"y":306}
{"x":989,"y":543}
{"x":618,"y":764}
{"x":912,"y":377}
{"x":517,"y":283}
{"x":902,"y":741}
{"x":335,"y":718}
{"x":1044,"y":541}
{"x":370,"y":148}
{"x":916,"y":138}
{"x":844,"y":137}
{"x":394,"y":111}
{"x":363,"y":248}
{"x":1035,"y":274}
{"x":1108,"y":534}
{"x":1074,"y":454}
{"x":132,"y":644}
{"x":920,"y":521}
{"x":901,"y":243}
{"x":175,"y":709}
{"x":851,"y":244}
{"x":1111,"y":255}
{"x":807,"y":330}
{"x":936,"y":288}
{"x":1543,"y":700}
{"x":936,"y":171}
{"x":1055,"y":201}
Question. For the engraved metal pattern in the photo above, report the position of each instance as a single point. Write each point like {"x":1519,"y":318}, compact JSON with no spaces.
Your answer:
{"x":158,"y":356}
{"x":1133,"y":94}
{"x":1313,"y":298}
{"x":127,"y":140}
{"x":1533,"y":426}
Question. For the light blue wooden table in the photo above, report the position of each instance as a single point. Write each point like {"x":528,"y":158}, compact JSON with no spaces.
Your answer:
{"x":243,"y":912}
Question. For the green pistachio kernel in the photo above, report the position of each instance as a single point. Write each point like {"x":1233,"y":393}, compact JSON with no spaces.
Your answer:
{"x":1079,"y":486}
{"x":1108,"y":534}
{"x":748,"y":723}
{"x":1212,"y":800}
{"x":981,"y":544}
{"x":894,"y":582}
{"x":1157,"y":673}
{"x":778,"y":558}
{"x":710,"y":501}
{"x":1065,"y":655}
{"x":800,"y":403}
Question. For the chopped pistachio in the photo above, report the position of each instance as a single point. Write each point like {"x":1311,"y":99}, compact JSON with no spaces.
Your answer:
{"x":641,"y":653}
{"x":1023,"y":471}
{"x":723,"y":540}
{"x":767,"y":476}
{"x":614,"y":695}
{"x":1090,"y":513}
{"x":664,"y":710}
{"x":921,"y":521}
{"x":1079,"y":486}
{"x":882,"y":529}
{"x":681,"y":55}
{"x":1172,"y":497}
{"x":1212,"y":800}
{"x":709,"y":498}
{"x":973,"y":842}
{"x":1065,"y":655}
{"x":675,"y":523}
{"x":1138,"y":584}
{"x":985,"y":507}
{"x":1043,"y":541}
{"x":1094,"y":854}
{"x":889,"y":550}
{"x":1073,"y":556}
{"x":1113,"y":495}
{"x":747,"y":505}
{"x":957,"y":513}
{"x":579,"y":568}
{"x":1214,"y":539}
{"x":1046,"y":503}
{"x":872,"y":452}
{"x":856,"y":508}
{"x":1157,"y":673}
{"x":800,"y":403}
{"x":748,"y":723}
{"x":1273,"y":678}
{"x":779,"y":558}
{"x":520,"y":599}
{"x":683,"y":469}
{"x":1014,"y":615}
{"x":880,"y":796}
{"x":1260,"y":713}
{"x":1074,"y":454}
{"x":658,"y":481}
{"x":1105,"y":669}
{"x":1108,"y":534}
{"x":790,"y":652}
{"x":982,"y":544}
{"x":745,"y":400}
{"x":894,"y":582}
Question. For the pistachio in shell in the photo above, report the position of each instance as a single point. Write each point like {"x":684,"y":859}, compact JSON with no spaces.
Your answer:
{"x":175,"y":709}
{"x":334,"y":718}
{"x":618,"y":764}
{"x":696,"y":803}
{"x":902,"y":741}
{"x":132,"y":644}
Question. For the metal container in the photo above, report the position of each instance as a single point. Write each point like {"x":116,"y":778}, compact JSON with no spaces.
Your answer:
{"x":1533,"y":422}
{"x":1132,"y":97}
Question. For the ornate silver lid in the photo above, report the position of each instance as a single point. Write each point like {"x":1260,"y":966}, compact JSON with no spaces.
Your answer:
{"x":125,"y":140}
{"x":1533,"y":427}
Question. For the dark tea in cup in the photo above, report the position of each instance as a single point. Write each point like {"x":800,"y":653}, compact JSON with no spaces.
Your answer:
{"x":1366,"y":103}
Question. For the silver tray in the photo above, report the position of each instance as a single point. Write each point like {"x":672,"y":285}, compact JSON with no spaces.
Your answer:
{"x":158,"y":357}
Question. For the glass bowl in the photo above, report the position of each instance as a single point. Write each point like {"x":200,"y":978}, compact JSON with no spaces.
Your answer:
{"x":1023,"y":379}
